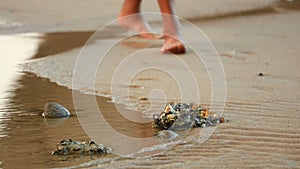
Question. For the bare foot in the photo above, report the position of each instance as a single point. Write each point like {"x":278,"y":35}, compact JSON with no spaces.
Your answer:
{"x":172,"y":45}
{"x":136,"y":23}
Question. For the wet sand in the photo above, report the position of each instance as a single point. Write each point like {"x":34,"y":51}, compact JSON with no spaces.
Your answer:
{"x":32,"y":137}
{"x":262,"y":111}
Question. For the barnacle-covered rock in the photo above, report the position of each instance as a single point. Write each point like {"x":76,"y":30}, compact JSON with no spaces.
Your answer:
{"x":182,"y":115}
{"x":68,"y":147}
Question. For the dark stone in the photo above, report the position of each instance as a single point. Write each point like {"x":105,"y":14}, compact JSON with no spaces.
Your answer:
{"x":260,"y":74}
{"x":185,"y":116}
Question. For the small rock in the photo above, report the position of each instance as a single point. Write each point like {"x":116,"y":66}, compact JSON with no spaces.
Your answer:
{"x":68,"y":147}
{"x":182,"y":116}
{"x":143,"y":98}
{"x":55,"y":110}
{"x":222,"y":120}
{"x":260,"y":74}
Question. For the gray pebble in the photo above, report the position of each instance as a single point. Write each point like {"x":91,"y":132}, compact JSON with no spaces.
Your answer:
{"x":55,"y":110}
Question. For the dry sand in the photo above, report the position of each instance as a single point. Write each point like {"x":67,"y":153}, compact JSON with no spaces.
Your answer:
{"x":70,"y":15}
{"x":262,"y":111}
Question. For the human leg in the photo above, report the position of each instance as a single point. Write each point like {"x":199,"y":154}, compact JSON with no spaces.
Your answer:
{"x":130,"y":18}
{"x":171,"y":28}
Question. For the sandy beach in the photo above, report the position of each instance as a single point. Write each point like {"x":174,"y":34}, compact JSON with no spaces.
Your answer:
{"x":57,"y":55}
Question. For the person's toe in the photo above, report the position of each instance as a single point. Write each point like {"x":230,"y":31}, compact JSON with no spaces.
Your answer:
{"x":176,"y":49}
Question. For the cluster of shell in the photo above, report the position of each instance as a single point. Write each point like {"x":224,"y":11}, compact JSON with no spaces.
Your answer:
{"x":183,"y":116}
{"x":68,"y":147}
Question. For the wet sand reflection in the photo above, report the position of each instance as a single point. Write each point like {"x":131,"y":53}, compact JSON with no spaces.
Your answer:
{"x":57,"y":42}
{"x":32,"y":139}
{"x":28,"y":139}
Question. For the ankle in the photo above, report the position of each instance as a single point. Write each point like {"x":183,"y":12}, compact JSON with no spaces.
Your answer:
{"x":128,"y":12}
{"x":173,"y":38}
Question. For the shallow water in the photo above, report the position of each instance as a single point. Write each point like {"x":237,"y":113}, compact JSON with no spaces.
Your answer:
{"x":27,"y":139}
{"x":32,"y":138}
